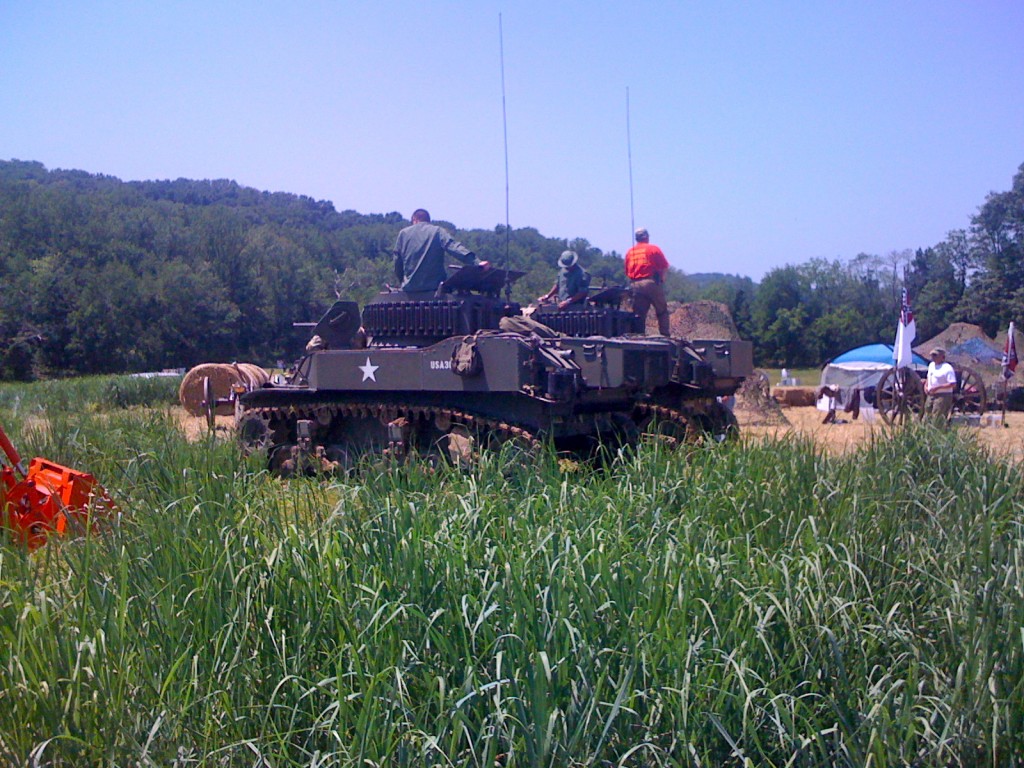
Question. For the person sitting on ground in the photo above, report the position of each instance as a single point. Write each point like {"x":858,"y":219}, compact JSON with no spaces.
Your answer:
{"x":572,"y":285}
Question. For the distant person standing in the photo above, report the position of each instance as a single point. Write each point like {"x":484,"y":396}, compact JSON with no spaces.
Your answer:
{"x":939,"y":386}
{"x":646,"y":268}
{"x":419,"y":254}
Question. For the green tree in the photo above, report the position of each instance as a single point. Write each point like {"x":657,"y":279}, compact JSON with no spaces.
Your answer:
{"x":779,"y":319}
{"x":931,"y":281}
{"x":995,"y":293}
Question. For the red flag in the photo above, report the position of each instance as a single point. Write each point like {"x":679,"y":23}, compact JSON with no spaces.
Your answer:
{"x":1009,"y":354}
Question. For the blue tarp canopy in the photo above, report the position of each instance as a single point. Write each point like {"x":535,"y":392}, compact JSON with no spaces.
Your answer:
{"x":872,"y":353}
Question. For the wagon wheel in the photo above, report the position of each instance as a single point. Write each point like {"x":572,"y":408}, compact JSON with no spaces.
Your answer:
{"x":900,"y":395}
{"x":209,"y":404}
{"x":969,"y":395}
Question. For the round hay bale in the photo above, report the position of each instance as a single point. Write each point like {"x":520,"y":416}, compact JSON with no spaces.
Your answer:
{"x":257,"y":375}
{"x":221,"y":375}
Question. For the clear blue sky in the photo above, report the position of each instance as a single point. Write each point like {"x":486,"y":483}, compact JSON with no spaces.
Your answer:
{"x":763,"y":133}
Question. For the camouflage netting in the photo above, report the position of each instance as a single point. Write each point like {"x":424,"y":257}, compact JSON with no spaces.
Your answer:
{"x":222,"y":377}
{"x":755,"y":407}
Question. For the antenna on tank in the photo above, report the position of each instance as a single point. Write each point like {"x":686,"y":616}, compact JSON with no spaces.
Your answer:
{"x":629,"y":155}
{"x":504,"y":126}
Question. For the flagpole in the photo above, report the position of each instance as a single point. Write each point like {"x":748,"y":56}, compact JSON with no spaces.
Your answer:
{"x":1006,"y":386}
{"x":1009,"y":366}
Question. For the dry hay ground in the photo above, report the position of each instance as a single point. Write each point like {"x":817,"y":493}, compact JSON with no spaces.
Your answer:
{"x":841,"y":438}
{"x":194,"y":427}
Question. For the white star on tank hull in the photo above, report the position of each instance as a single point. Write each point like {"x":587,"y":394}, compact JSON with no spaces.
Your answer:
{"x":369,"y":371}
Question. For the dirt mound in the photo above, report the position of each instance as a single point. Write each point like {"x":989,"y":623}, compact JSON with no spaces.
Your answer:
{"x":967,"y":345}
{"x":697,"y":320}
{"x":755,"y":407}
{"x":954,"y":336}
{"x":222,"y":377}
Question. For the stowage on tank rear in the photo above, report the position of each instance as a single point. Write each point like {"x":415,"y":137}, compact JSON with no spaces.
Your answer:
{"x":450,"y":374}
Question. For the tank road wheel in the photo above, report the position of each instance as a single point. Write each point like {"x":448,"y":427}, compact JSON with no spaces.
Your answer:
{"x":969,"y":395}
{"x":724,"y":426}
{"x":674,"y":428}
{"x":519,"y":447}
{"x":626,"y":433}
{"x":899,"y":396}
{"x":670,"y":432}
{"x":255,"y":433}
{"x":460,"y":443}
{"x":612,"y":433}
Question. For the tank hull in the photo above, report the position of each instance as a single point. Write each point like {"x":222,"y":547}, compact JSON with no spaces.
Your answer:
{"x":406,"y":391}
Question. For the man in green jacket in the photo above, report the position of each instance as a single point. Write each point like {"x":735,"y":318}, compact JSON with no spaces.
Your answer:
{"x":420,"y":250}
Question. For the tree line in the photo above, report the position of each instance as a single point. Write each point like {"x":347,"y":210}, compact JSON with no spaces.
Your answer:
{"x":803,"y":315}
{"x":107,"y":276}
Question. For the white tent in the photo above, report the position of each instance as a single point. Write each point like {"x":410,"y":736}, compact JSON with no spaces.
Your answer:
{"x":858,"y":371}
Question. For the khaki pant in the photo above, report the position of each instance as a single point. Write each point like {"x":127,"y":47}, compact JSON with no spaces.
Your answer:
{"x":648,"y":293}
{"x":939,"y":406}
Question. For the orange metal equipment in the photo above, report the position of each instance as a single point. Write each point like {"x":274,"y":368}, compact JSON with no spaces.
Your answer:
{"x":47,"y":498}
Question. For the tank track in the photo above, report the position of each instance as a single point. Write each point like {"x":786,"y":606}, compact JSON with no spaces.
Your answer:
{"x":675,"y":426}
{"x":452,"y":433}
{"x":280,"y":435}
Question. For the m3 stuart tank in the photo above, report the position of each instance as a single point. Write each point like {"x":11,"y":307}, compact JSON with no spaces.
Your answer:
{"x":446,"y":374}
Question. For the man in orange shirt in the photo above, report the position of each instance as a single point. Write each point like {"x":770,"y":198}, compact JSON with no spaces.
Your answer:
{"x":646,"y":267}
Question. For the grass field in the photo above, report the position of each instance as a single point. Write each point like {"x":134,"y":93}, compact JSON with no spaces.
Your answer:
{"x":808,"y":377}
{"x":756,"y":604}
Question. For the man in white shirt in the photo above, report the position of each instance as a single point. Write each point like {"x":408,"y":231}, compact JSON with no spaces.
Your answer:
{"x":939,"y":385}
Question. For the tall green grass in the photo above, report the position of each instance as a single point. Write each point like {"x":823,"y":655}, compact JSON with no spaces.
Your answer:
{"x":750,"y":604}
{"x":88,"y":393}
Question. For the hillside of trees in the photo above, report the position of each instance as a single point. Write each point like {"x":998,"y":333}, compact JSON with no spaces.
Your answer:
{"x":105,"y":276}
